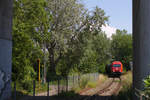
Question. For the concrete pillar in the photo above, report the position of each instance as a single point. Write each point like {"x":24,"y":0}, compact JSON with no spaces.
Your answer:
{"x":141,"y":42}
{"x":5,"y":48}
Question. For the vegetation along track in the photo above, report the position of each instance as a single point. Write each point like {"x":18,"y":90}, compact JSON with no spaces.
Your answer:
{"x":110,"y":87}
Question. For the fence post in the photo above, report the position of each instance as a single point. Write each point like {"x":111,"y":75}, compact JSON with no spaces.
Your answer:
{"x":48,"y":88}
{"x":141,"y":97}
{"x":66,"y":83}
{"x":95,"y":76}
{"x":78,"y":79}
{"x":34,"y":88}
{"x":73,"y":80}
{"x":58,"y":85}
{"x":15,"y":91}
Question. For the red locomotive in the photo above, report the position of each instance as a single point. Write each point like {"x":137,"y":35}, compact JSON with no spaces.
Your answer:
{"x":115,"y":68}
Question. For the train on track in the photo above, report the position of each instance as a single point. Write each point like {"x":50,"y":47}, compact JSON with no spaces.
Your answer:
{"x":114,"y":69}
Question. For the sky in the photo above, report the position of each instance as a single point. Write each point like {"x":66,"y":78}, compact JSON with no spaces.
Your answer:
{"x":119,"y":12}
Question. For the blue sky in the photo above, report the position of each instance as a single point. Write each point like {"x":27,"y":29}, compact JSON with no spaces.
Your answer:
{"x":120,"y":12}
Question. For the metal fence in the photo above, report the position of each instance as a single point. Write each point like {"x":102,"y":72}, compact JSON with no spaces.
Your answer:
{"x":55,"y":87}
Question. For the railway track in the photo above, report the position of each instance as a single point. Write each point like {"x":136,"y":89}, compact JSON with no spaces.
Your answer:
{"x":105,"y":93}
{"x":112,"y":89}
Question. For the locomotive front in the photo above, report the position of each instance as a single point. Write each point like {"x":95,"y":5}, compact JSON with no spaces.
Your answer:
{"x":115,"y":68}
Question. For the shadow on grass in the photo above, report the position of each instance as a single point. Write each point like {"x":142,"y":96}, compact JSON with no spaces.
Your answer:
{"x":71,"y":95}
{"x":18,"y":95}
{"x":124,"y":95}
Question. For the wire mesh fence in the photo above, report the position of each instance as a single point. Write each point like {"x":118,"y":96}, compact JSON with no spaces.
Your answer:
{"x":51,"y":88}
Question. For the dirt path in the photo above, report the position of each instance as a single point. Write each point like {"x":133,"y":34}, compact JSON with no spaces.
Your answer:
{"x":54,"y":90}
{"x":43,"y":96}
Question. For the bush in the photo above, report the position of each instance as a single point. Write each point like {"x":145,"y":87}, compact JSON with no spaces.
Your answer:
{"x":147,"y":85}
{"x":29,"y":76}
{"x":83,"y":82}
{"x":102,"y":68}
{"x":27,"y":85}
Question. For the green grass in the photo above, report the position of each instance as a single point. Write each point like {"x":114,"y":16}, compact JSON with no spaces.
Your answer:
{"x":21,"y":91}
{"x":86,"y":83}
{"x":41,"y":88}
{"x":91,"y":84}
{"x":116,"y":80}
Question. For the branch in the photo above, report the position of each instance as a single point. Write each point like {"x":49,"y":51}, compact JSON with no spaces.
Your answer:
{"x":59,"y":57}
{"x":76,"y":32}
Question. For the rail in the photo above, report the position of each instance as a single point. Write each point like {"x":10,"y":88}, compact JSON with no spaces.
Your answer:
{"x":98,"y":95}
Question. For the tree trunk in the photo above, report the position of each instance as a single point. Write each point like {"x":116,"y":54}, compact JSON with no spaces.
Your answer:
{"x":5,"y":48}
{"x":52,"y":69}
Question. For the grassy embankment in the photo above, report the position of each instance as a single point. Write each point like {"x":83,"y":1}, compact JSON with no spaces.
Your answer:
{"x":84,"y":85}
{"x":124,"y":94}
{"x":126,"y":90}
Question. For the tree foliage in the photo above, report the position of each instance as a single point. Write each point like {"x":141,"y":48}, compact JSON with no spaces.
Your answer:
{"x":27,"y":16}
{"x":70,"y":29}
{"x":65,"y":33}
{"x":121,"y":47}
{"x":147,"y":85}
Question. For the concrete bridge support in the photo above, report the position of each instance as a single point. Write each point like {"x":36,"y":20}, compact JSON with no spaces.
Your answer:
{"x":5,"y":48}
{"x":141,"y":42}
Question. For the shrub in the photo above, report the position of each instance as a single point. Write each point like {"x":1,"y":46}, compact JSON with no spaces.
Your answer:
{"x":83,"y":82}
{"x":29,"y":76}
{"x":147,"y":85}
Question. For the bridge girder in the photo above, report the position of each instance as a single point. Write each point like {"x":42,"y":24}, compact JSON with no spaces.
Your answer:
{"x":141,"y":43}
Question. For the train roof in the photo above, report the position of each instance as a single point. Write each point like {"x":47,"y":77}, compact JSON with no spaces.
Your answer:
{"x":116,"y":62}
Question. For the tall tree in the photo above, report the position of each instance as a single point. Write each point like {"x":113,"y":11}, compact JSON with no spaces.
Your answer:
{"x":70,"y":28}
{"x":67,"y":18}
{"x":90,"y":48}
{"x":28,"y":16}
{"x":94,"y":43}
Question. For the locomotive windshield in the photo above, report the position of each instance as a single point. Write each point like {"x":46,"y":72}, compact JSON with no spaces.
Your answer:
{"x":116,"y":65}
